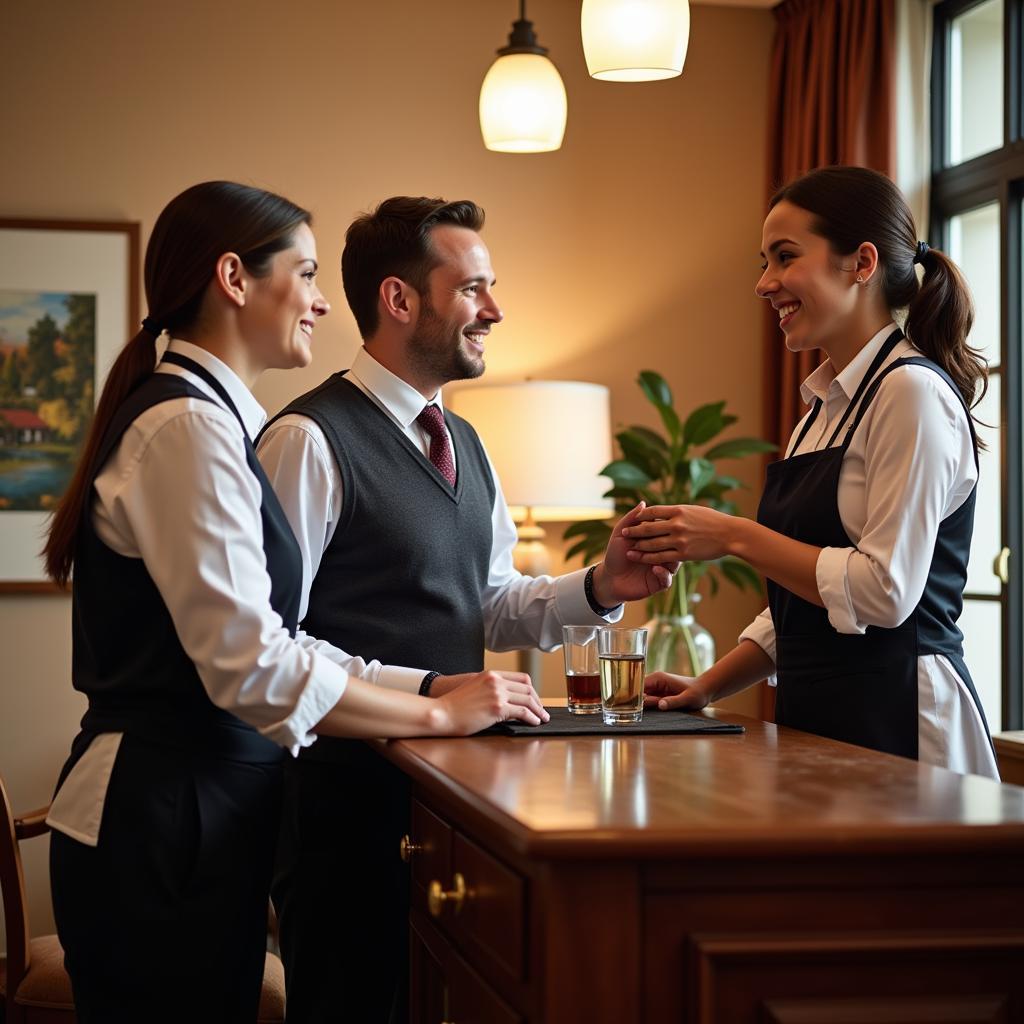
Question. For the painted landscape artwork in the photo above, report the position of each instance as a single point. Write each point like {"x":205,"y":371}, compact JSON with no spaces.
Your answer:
{"x":47,"y":372}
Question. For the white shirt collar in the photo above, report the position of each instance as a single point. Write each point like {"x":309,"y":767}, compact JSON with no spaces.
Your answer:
{"x":397,"y":396}
{"x":818,"y":383}
{"x":252,"y":413}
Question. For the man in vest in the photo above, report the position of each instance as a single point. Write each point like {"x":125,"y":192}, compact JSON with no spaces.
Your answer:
{"x":407,"y":549}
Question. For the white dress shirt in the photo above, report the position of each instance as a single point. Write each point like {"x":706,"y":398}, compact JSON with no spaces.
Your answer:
{"x":519,"y":611}
{"x":178,"y":494}
{"x":910,"y":464}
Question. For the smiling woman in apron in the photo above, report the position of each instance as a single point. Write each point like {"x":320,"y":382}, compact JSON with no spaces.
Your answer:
{"x":185,"y":598}
{"x":864,"y":528}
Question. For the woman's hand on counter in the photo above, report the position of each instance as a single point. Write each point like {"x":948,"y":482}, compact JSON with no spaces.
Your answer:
{"x":487,"y":698}
{"x":670,"y":693}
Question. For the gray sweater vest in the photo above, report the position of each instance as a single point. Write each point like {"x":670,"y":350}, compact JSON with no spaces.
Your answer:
{"x":402,"y":577}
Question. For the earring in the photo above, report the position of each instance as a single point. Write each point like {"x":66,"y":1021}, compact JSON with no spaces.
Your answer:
{"x":860,"y":279}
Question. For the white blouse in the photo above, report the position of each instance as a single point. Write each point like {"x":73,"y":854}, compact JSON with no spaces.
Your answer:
{"x":910,"y":464}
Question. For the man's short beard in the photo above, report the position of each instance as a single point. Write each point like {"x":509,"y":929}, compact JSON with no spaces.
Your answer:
{"x":432,"y":355}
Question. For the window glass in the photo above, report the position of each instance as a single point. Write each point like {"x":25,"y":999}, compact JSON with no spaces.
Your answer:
{"x":974,"y":246}
{"x":981,"y":625}
{"x":976,"y":82}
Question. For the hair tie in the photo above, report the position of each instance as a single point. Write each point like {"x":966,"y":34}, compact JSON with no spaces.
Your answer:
{"x":150,"y":325}
{"x":920,"y":252}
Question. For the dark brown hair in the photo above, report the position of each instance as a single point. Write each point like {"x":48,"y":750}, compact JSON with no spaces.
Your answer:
{"x":194,"y":230}
{"x":853,"y":205}
{"x":394,"y":241}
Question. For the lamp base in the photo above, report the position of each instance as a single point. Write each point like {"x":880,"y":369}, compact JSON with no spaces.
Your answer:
{"x":531,"y":557}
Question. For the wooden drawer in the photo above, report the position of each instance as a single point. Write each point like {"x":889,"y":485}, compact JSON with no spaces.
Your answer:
{"x":490,"y":924}
{"x":432,"y":858}
{"x":492,"y":918}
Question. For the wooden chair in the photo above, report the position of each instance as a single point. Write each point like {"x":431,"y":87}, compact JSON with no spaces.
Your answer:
{"x":34,"y":987}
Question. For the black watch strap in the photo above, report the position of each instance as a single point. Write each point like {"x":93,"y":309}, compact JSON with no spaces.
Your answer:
{"x":588,"y":590}
{"x":428,"y":682}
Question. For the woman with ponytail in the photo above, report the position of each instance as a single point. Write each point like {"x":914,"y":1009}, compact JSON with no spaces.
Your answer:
{"x":186,"y":579}
{"x":864,"y":528}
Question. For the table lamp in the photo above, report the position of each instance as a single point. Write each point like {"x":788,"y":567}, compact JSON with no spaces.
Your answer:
{"x":548,"y":441}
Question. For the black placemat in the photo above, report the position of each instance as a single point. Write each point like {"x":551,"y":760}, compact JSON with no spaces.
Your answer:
{"x":563,"y":723}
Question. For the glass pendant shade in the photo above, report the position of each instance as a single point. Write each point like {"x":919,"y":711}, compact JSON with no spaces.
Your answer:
{"x":635,"y":40}
{"x":523,"y":106}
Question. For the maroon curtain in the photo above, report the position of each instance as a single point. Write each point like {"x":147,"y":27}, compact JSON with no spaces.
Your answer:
{"x":831,"y":100}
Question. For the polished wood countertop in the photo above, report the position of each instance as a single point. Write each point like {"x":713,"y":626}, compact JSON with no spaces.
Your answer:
{"x":768,"y":792}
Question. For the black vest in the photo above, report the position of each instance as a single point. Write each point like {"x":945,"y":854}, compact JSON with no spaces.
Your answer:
{"x":402,"y":577}
{"x":126,"y":655}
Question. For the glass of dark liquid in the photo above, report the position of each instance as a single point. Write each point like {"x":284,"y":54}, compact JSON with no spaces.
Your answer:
{"x":582,"y":681}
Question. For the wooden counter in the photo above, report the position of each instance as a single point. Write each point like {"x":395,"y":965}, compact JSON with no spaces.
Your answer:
{"x":767,"y":877}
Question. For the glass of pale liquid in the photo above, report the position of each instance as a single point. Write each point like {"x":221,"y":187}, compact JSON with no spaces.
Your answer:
{"x":621,"y":656}
{"x":579,"y":646}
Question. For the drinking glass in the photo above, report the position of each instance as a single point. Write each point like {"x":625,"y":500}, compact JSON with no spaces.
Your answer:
{"x":579,"y":646}
{"x":621,"y":656}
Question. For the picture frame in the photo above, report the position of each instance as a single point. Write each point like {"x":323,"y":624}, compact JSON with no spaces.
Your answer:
{"x":88,"y":273}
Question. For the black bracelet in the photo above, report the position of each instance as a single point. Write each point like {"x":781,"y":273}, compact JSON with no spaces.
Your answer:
{"x":588,"y":590}
{"x":428,"y":682}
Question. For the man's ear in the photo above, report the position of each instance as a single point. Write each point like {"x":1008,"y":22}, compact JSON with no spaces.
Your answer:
{"x":230,"y":279}
{"x":398,"y":301}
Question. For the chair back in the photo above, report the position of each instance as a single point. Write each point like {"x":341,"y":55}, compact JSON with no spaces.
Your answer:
{"x":12,"y":884}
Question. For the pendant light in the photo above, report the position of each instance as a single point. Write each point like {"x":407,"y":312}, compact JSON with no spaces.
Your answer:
{"x":522,"y":101}
{"x":635,"y":40}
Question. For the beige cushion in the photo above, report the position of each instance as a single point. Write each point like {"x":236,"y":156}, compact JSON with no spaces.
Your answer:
{"x":272,"y":997}
{"x":46,"y":983}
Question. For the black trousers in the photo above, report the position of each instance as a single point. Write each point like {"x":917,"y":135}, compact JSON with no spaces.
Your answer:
{"x":340,"y":888}
{"x":165,"y":920}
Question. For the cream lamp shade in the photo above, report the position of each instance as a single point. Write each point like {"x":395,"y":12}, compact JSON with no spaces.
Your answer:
{"x":548,"y":441}
{"x":523,"y":106}
{"x":635,"y":40}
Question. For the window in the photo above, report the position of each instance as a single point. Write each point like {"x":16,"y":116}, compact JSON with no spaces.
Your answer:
{"x":977,"y":205}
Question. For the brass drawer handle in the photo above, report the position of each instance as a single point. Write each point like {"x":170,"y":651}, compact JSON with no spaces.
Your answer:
{"x":406,"y":848}
{"x":438,"y":897}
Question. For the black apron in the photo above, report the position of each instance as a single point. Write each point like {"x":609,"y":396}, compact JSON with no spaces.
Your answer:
{"x":859,"y":688}
{"x":165,"y":919}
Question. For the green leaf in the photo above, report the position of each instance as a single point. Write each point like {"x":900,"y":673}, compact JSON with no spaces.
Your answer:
{"x":656,"y":388}
{"x":737,"y":572}
{"x":702,"y":424}
{"x":654,"y":440}
{"x":702,"y":473}
{"x":729,"y":508}
{"x":629,"y":493}
{"x":587,"y":528}
{"x":579,"y":548}
{"x":671,"y":421}
{"x":625,"y":474}
{"x":739,"y":446}
{"x":640,"y":452}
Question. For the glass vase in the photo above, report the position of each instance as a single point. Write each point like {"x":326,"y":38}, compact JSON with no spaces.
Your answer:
{"x":678,"y":643}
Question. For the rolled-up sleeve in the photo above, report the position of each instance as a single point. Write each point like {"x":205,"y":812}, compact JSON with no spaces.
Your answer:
{"x":762,"y":632}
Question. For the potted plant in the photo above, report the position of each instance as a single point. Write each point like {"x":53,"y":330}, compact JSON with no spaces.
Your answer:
{"x":675,"y":468}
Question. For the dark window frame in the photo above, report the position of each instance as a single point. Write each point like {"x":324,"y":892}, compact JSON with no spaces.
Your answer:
{"x":995,"y":176}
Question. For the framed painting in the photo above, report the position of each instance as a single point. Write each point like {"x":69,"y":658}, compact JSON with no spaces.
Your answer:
{"x":69,"y":300}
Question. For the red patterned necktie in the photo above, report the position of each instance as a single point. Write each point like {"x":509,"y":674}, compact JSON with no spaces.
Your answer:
{"x":432,"y":421}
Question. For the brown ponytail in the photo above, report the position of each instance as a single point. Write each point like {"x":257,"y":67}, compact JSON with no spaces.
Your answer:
{"x":194,"y":230}
{"x":939,"y":319}
{"x":852,"y":205}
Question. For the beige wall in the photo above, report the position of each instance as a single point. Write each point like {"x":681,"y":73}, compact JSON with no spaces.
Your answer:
{"x":633,"y":247}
